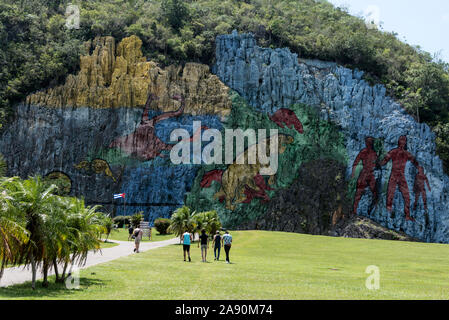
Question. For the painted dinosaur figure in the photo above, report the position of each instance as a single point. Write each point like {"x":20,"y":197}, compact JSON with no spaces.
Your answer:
{"x":143,"y":143}
{"x":287,"y":118}
{"x":241,"y":183}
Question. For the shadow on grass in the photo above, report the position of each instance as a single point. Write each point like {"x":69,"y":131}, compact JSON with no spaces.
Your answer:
{"x":54,"y":290}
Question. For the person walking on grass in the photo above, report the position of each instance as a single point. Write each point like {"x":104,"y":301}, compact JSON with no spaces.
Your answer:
{"x":204,"y":239}
{"x":137,"y":235}
{"x":217,"y":245}
{"x":130,"y":231}
{"x":227,"y":242}
{"x":187,"y":240}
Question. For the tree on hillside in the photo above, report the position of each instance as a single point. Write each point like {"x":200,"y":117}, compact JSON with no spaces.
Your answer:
{"x":175,"y":12}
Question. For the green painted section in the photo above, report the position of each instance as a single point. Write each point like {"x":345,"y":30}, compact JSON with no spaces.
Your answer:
{"x":321,"y":140}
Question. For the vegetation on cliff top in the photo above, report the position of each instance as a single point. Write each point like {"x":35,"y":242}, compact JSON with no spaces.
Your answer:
{"x":37,"y":50}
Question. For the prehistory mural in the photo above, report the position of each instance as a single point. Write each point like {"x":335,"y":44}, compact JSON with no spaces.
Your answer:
{"x":344,"y":146}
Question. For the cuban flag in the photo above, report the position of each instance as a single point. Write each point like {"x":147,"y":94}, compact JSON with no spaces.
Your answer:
{"x":119,"y":195}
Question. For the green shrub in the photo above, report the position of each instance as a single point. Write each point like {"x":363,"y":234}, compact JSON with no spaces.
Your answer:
{"x":136,"y":219}
{"x":162,"y":225}
{"x":121,"y":220}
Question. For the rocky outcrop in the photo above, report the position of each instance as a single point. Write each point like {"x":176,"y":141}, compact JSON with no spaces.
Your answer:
{"x":271,"y":79}
{"x":364,"y":228}
{"x":113,"y":77}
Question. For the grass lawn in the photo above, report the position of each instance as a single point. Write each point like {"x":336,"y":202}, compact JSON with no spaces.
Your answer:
{"x":265,"y":265}
{"x":105,"y":245}
{"x":122,"y":235}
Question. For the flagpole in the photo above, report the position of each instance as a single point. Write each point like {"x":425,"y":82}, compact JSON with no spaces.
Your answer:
{"x":124,"y":205}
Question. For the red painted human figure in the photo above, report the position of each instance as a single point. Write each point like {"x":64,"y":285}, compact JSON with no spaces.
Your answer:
{"x":399,"y":156}
{"x":420,"y":189}
{"x":368,"y":157}
{"x":143,"y":143}
{"x":286,"y":117}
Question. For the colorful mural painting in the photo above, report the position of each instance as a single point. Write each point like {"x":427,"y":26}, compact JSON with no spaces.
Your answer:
{"x":109,"y":132}
{"x":143,"y":143}
{"x":241,"y":183}
{"x":399,"y":158}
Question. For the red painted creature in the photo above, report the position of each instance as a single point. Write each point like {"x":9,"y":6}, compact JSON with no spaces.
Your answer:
{"x":399,"y":156}
{"x":252,"y":194}
{"x":288,"y":118}
{"x":283,"y":118}
{"x":368,"y":157}
{"x":420,"y":189}
{"x":143,"y":143}
{"x":211,"y":176}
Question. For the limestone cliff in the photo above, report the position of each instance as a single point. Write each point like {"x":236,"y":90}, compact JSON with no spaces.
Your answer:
{"x":341,"y":139}
{"x":271,"y":79}
{"x":119,"y":76}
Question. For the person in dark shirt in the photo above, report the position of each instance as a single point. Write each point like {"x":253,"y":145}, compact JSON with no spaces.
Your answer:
{"x":204,"y":239}
{"x":217,"y":245}
{"x":130,"y":231}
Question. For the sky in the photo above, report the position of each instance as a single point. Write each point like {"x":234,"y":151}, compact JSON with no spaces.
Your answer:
{"x":423,"y":23}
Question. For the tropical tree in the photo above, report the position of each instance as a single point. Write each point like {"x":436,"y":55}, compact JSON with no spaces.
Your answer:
{"x":41,"y":229}
{"x":108,"y":225}
{"x":136,"y":219}
{"x":208,"y":221}
{"x":182,"y":220}
{"x":12,"y":232}
{"x":33,"y":201}
{"x":213,"y":223}
{"x":85,"y":230}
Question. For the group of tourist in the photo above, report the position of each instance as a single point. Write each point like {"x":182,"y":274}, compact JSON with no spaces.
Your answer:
{"x":218,"y":240}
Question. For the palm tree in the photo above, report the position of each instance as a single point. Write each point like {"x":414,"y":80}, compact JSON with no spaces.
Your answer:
{"x":12,"y":232}
{"x":85,"y":230}
{"x":108,"y":225}
{"x":182,"y":220}
{"x":33,"y":201}
{"x":38,"y":228}
{"x":212,"y":221}
{"x":208,"y":221}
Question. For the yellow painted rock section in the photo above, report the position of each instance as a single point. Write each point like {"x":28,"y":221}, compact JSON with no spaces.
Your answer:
{"x":119,"y":76}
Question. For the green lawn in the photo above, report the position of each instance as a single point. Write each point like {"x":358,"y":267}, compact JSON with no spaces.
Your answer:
{"x":122,"y":235}
{"x":105,"y":245}
{"x":266,"y":265}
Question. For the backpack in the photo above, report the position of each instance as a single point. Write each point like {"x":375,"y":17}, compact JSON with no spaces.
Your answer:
{"x":136,"y":234}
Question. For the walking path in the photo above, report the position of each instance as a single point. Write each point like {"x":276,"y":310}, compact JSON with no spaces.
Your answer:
{"x":17,"y":275}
